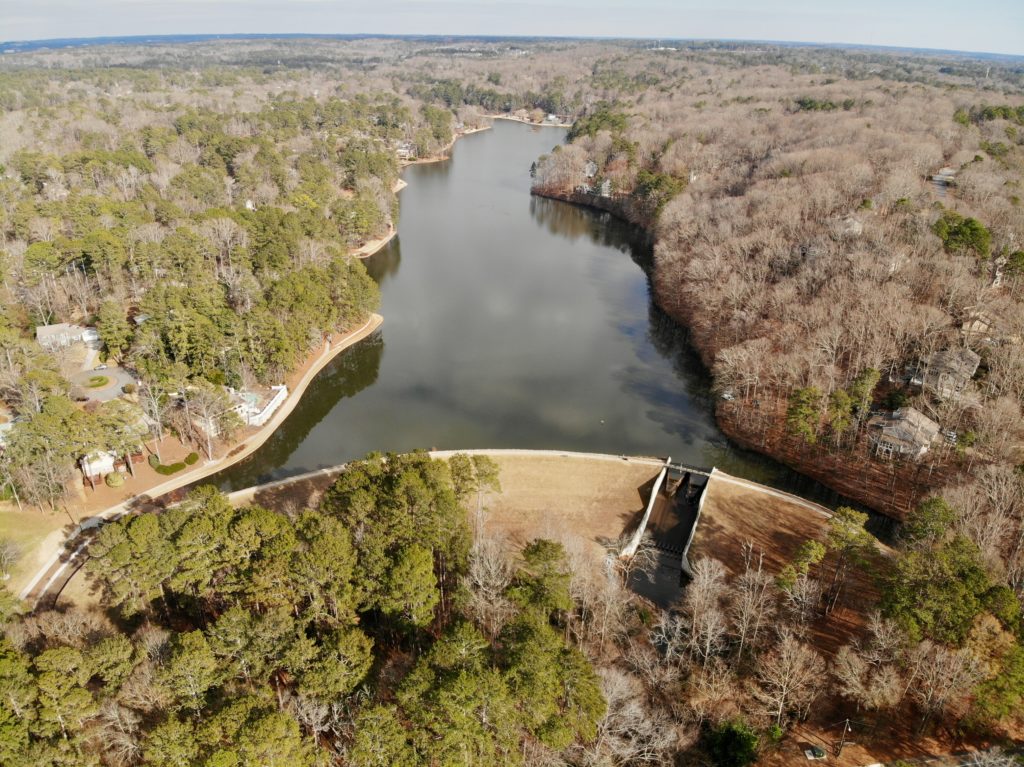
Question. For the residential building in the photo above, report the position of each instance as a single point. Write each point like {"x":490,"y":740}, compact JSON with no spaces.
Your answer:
{"x":947,"y":372}
{"x":254,"y":407}
{"x":905,"y":433}
{"x":98,"y":464}
{"x":63,"y":334}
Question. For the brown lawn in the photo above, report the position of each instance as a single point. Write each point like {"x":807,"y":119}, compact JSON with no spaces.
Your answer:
{"x":551,"y":496}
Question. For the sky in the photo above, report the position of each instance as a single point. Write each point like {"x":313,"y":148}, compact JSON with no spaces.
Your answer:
{"x":995,"y":26}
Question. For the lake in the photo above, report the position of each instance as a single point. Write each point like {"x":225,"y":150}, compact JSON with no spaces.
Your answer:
{"x":510,"y":321}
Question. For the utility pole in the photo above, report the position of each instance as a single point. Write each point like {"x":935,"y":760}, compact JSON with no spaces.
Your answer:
{"x":842,"y":740}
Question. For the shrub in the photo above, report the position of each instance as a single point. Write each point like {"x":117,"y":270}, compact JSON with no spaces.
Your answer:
{"x":170,"y":468}
{"x":114,"y":479}
{"x":166,"y":469}
{"x":129,"y":388}
{"x":807,"y":104}
{"x":191,"y":459}
{"x":731,"y":744}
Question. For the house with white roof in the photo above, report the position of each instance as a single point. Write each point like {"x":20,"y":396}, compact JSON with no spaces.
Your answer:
{"x":64,"y":334}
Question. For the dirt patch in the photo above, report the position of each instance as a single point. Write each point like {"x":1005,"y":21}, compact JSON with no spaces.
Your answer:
{"x":869,"y":742}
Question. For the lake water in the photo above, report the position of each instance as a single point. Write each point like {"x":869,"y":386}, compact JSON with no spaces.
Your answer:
{"x":509,"y":321}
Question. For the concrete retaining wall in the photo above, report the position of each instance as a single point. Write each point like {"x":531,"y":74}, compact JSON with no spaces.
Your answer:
{"x":634,"y":542}
{"x":696,"y":521}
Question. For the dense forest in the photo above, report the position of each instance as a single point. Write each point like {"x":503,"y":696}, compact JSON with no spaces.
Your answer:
{"x":203,"y":229}
{"x":388,"y":625}
{"x":340,"y":634}
{"x":877,"y":219}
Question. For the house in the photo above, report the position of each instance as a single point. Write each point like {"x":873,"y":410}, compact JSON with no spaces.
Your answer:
{"x":590,"y":169}
{"x":255,"y":408}
{"x":998,"y":271}
{"x":947,"y":373}
{"x":944,"y":177}
{"x":406,"y":150}
{"x":606,"y":188}
{"x":906,"y":433}
{"x":944,"y":180}
{"x":988,"y":328}
{"x":97,"y":464}
{"x":982,"y":327}
{"x":63,"y":334}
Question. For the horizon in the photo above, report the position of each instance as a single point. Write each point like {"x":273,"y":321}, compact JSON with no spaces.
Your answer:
{"x":27,"y":45}
{"x":904,"y":24}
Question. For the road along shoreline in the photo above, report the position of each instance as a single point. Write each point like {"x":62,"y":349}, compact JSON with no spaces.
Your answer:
{"x":51,"y":558}
{"x":252,"y":443}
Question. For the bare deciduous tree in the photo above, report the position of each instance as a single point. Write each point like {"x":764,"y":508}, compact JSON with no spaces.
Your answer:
{"x":942,"y":679}
{"x":489,"y":574}
{"x":789,"y":677}
{"x":753,"y":601}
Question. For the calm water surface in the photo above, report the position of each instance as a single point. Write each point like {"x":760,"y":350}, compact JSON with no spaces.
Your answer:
{"x":509,"y":321}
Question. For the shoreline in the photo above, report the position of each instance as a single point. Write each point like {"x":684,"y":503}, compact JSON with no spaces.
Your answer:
{"x":810,"y":466}
{"x":524,"y":121}
{"x":234,"y":455}
{"x":367,"y":249}
{"x":50,"y":549}
{"x":443,"y":155}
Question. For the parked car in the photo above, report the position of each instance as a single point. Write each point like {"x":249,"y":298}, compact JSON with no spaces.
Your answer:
{"x":100,"y":367}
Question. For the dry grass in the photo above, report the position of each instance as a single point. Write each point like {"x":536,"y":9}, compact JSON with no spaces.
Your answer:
{"x":734,"y":514}
{"x":548,"y":496}
{"x":29,"y":529}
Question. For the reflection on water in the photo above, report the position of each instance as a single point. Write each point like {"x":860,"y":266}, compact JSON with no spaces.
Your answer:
{"x":509,"y":321}
{"x":385,"y":263}
{"x":353,"y":370}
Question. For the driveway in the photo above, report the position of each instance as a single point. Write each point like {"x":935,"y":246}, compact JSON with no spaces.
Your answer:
{"x":116,"y":377}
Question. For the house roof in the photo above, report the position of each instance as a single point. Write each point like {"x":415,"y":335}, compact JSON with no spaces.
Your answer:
{"x":58,"y":329}
{"x":62,"y":330}
{"x":908,"y":426}
{"x":955,"y":365}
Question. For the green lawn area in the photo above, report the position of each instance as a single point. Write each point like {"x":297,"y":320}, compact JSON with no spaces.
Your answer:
{"x":96,"y":382}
